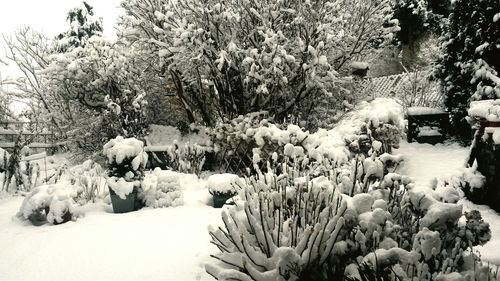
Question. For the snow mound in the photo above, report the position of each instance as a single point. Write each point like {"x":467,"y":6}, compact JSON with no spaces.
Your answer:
{"x":57,"y":198}
{"x":377,"y":112}
{"x":437,"y":214}
{"x":162,"y":189}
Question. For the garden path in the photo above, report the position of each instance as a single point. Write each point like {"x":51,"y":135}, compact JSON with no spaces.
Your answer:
{"x":425,"y":162}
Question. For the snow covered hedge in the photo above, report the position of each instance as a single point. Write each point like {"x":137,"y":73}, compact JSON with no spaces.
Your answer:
{"x":253,"y":139}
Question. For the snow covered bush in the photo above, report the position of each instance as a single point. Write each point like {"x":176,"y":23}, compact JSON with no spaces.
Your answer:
{"x":88,"y":179}
{"x":161,"y":189}
{"x":102,"y":77}
{"x":52,"y":203}
{"x":126,"y":161}
{"x":354,"y":221}
{"x":184,"y":158}
{"x":234,"y":57}
{"x":373,"y":127}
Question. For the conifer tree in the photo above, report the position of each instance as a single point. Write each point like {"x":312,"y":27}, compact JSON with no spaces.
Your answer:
{"x":83,"y":25}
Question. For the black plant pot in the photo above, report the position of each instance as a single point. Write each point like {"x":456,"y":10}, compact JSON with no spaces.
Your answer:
{"x":221,"y":198}
{"x":123,"y":205}
{"x":39,"y":216}
{"x":66,"y":218}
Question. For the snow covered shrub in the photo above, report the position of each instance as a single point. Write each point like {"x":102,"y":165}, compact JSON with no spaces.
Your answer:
{"x":161,"y":189}
{"x":184,"y":158}
{"x":19,"y":175}
{"x":88,"y":178}
{"x":374,"y":127}
{"x":52,"y":203}
{"x":380,"y":120}
{"x":102,"y":77}
{"x":234,"y":57}
{"x":250,"y":141}
{"x":284,"y":234}
{"x":126,"y":161}
{"x":298,"y":226}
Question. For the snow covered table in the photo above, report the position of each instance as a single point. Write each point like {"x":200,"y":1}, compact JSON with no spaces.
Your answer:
{"x":427,"y":124}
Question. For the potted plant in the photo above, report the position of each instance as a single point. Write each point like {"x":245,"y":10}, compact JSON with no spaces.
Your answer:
{"x":223,"y":187}
{"x":126,"y":160}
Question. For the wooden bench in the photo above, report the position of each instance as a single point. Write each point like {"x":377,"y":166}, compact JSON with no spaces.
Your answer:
{"x":426,"y":124}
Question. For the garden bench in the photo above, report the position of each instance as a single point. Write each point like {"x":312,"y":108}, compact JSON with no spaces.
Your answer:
{"x":427,"y":124}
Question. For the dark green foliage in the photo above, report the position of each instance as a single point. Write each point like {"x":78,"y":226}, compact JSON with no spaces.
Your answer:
{"x":412,"y":20}
{"x":470,"y":25}
{"x":417,"y":17}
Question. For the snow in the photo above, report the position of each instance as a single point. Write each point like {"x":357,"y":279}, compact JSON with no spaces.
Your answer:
{"x":222,"y":183}
{"x":425,"y":162}
{"x":359,"y":65}
{"x":481,"y":47}
{"x":421,"y":110}
{"x":150,"y":244}
{"x":428,"y":131}
{"x":119,"y":149}
{"x":490,"y":111}
{"x":487,"y":109}
{"x":121,"y":187}
{"x":496,"y":17}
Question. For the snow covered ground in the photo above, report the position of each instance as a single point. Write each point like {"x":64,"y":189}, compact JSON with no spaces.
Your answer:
{"x":151,"y":244}
{"x":424,"y":162}
{"x":166,"y":243}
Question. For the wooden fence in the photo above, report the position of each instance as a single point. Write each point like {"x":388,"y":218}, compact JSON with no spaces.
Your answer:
{"x":33,"y":134}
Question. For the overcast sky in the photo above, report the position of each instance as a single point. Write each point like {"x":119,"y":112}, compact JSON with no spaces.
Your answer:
{"x":49,"y":17}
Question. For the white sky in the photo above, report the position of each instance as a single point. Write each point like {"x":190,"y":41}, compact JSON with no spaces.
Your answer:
{"x":49,"y":17}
